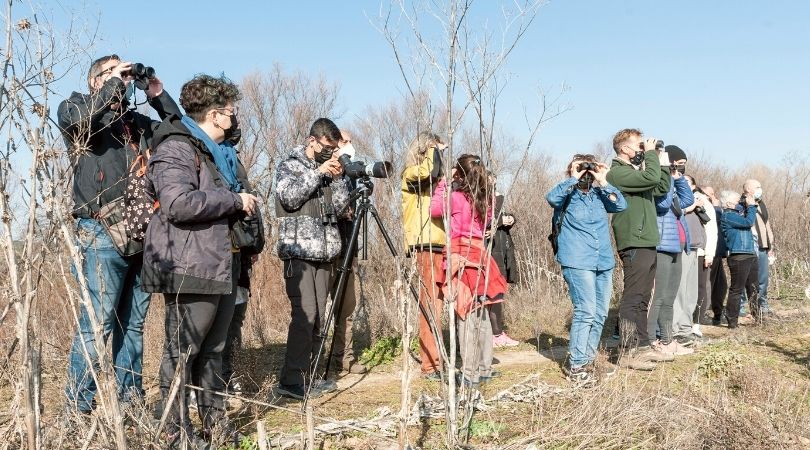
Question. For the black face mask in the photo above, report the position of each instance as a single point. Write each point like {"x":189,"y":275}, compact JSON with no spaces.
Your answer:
{"x":585,"y":181}
{"x":679,"y":168}
{"x":323,"y":155}
{"x":231,"y":132}
{"x":638,"y":158}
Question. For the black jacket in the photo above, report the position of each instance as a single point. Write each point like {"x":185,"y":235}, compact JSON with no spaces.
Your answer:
{"x":503,"y":248}
{"x":98,"y":139}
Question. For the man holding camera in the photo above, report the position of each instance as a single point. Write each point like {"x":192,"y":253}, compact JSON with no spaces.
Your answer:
{"x":310,"y":199}
{"x":636,"y":172}
{"x":105,"y":137}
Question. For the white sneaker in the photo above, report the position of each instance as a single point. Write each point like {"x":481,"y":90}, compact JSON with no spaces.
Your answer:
{"x":696,"y":330}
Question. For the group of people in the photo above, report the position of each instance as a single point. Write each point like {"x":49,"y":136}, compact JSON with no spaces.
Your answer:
{"x":672,"y":237}
{"x":193,"y":231}
{"x":165,"y":207}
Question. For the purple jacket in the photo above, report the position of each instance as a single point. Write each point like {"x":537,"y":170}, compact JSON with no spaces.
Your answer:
{"x":187,"y":248}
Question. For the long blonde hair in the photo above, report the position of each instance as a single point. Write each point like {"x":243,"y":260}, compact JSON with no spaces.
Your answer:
{"x":419,"y":147}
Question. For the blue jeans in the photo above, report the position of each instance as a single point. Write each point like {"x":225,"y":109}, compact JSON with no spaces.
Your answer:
{"x":590,"y":292}
{"x":764,"y":269}
{"x":119,"y":305}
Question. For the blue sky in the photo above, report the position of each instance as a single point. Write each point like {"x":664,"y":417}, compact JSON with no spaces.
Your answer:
{"x":728,"y":79}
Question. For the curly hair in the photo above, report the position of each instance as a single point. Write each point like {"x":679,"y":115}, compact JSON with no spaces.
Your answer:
{"x":472,"y":179}
{"x":204,"y":93}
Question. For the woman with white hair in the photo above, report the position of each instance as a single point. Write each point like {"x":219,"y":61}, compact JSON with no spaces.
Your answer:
{"x":742,"y":248}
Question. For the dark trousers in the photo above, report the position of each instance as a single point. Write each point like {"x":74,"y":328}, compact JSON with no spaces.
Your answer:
{"x":234,"y":340}
{"x":639,"y":276}
{"x":718,"y":287}
{"x":307,"y":285}
{"x":667,"y":279}
{"x":343,"y":338}
{"x":744,"y":270}
{"x":496,"y":317}
{"x":704,"y":292}
{"x":196,"y":328}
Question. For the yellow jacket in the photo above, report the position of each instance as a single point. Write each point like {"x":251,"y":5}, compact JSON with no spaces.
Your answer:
{"x":421,"y":231}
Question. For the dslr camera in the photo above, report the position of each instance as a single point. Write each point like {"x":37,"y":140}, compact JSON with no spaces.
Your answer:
{"x":141,"y":73}
{"x":360,"y":169}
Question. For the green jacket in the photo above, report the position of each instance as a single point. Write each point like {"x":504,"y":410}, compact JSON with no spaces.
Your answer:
{"x":636,"y":225}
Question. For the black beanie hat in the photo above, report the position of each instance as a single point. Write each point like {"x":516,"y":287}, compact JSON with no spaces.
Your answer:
{"x":675,"y":153}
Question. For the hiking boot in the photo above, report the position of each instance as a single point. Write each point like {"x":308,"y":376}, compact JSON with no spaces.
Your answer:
{"x":733,"y":323}
{"x":633,"y":360}
{"x":676,"y":349}
{"x":503,"y":340}
{"x":354,"y":367}
{"x":716,"y":321}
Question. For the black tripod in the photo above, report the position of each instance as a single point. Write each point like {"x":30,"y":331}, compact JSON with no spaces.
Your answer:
{"x":361,"y":195}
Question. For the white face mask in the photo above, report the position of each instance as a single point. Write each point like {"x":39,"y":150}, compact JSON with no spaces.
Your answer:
{"x":758,"y":193}
{"x":347,"y":149}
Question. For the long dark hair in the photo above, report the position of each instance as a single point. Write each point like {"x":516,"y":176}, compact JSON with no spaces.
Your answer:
{"x":472,"y":179}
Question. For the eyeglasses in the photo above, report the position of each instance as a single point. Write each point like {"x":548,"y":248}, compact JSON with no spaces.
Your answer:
{"x":231,"y":112}
{"x":104,"y":72}
{"x":328,"y":148}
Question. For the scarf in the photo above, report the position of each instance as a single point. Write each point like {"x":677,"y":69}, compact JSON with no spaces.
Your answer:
{"x":224,"y":154}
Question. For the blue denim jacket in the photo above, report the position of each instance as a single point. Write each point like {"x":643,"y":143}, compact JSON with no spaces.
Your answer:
{"x":584,"y":241}
{"x":737,"y":230}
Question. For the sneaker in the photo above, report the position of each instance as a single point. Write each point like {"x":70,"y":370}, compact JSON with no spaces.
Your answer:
{"x":716,"y":321}
{"x":733,"y":323}
{"x":492,"y":374}
{"x":676,"y":349}
{"x":696,"y":330}
{"x":297,"y":391}
{"x":433,"y":376}
{"x":503,"y":340}
{"x":325,"y":386}
{"x":579,"y":375}
{"x":687,"y":340}
{"x":468,"y":383}
{"x":633,"y":360}
{"x":653,"y":353}
{"x":177,"y":436}
{"x":234,"y":387}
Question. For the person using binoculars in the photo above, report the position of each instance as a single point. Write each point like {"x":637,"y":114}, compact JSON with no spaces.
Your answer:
{"x":424,"y":241}
{"x":636,"y":172}
{"x":581,"y":205}
{"x":105,"y":136}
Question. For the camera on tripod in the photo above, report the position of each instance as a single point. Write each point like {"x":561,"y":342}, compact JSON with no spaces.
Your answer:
{"x":360,"y":169}
{"x":141,"y":73}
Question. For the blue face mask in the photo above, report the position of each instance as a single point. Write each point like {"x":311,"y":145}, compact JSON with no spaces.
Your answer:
{"x":129,"y":95}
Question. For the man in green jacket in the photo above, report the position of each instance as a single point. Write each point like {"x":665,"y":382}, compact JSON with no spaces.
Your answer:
{"x":636,"y":172}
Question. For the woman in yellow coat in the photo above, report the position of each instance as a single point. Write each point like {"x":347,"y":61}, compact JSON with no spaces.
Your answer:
{"x":425,"y":239}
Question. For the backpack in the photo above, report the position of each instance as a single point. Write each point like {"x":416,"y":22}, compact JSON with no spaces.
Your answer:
{"x":139,"y":204}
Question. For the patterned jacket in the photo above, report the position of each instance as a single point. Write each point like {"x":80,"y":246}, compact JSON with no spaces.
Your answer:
{"x":305,"y":236}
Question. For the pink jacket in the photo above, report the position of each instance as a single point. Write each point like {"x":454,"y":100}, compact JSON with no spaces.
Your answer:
{"x":462,"y":213}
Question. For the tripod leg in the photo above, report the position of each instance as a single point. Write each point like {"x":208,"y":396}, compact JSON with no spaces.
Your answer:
{"x":338,"y":291}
